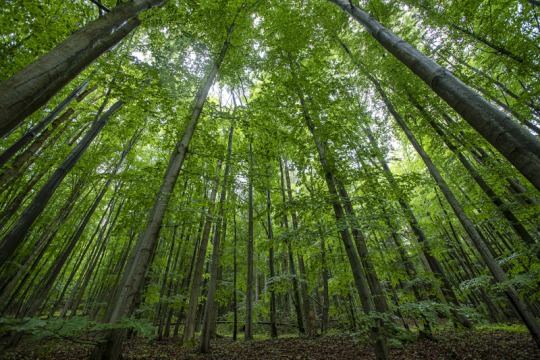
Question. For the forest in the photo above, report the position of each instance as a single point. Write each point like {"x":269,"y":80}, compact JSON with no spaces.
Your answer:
{"x":270,"y":179}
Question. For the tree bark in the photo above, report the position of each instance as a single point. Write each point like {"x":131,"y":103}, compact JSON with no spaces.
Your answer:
{"x":248,"y":334}
{"x":498,"y":273}
{"x":204,"y":344}
{"x":16,"y":234}
{"x":36,"y":129}
{"x":379,"y":298}
{"x":379,"y":341}
{"x":189,"y":330}
{"x":296,"y":291}
{"x":495,"y":199}
{"x":34,"y":85}
{"x":26,"y":155}
{"x":235,"y":328}
{"x":413,"y":223}
{"x":134,"y":276}
{"x":518,"y":146}
{"x":273,"y":314}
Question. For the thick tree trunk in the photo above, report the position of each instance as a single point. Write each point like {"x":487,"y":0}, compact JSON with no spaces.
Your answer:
{"x":33,"y":86}
{"x":518,"y":146}
{"x":16,"y":234}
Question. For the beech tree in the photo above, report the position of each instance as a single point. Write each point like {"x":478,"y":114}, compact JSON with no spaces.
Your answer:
{"x":177,"y":169}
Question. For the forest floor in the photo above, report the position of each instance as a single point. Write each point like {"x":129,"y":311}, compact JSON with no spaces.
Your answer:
{"x":501,"y":343}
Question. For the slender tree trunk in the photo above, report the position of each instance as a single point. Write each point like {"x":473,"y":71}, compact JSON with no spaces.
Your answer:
{"x":16,"y":234}
{"x":273,"y":313}
{"x":308,"y":325}
{"x":36,"y":129}
{"x":204,"y":344}
{"x":21,"y":160}
{"x":379,"y":298}
{"x":379,"y":341}
{"x":44,"y":240}
{"x":296,"y":291}
{"x":498,"y":273}
{"x":134,"y":276}
{"x":516,"y":144}
{"x":495,"y":199}
{"x":235,"y":327}
{"x":159,"y":310}
{"x":498,"y":49}
{"x":325,"y":286}
{"x":165,"y":332}
{"x":248,"y":334}
{"x":432,"y":261}
{"x":190,"y":328}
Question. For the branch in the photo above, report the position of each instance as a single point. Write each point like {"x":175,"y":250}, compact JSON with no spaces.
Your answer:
{"x":100,"y":5}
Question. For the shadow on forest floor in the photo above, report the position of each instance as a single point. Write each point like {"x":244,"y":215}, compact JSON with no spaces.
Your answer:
{"x":486,"y":343}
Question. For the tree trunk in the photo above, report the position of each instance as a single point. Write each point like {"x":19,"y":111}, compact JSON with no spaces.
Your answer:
{"x":498,"y":273}
{"x":310,"y":329}
{"x":41,"y":245}
{"x":204,"y":344}
{"x":379,"y":298}
{"x":34,"y":85}
{"x":26,"y":155}
{"x":517,"y":145}
{"x":325,"y":285}
{"x":296,"y":291}
{"x":189,"y":330}
{"x":16,"y":234}
{"x":273,"y":314}
{"x":495,"y":199}
{"x":36,"y":129}
{"x":432,"y":261}
{"x":248,"y":334}
{"x":134,"y":276}
{"x":379,"y":341}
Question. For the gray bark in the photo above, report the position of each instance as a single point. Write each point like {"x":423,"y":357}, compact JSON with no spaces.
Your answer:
{"x":249,"y":290}
{"x":296,"y":291}
{"x":204,"y":344}
{"x":34,"y":85}
{"x":139,"y":259}
{"x":518,"y":146}
{"x":498,"y":273}
{"x":36,"y":129}
{"x":188,"y":337}
{"x":16,"y":234}
{"x":379,"y":341}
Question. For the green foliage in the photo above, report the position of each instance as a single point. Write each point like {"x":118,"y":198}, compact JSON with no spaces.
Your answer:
{"x":77,"y":328}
